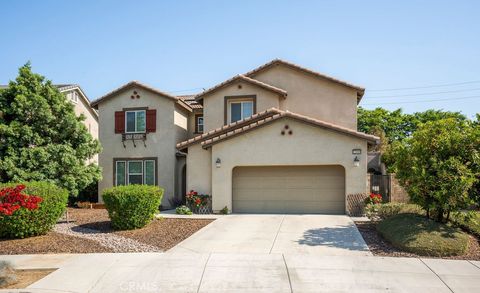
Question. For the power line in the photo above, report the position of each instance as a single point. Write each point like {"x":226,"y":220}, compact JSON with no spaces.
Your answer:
{"x":425,"y":87}
{"x":422,"y":94}
{"x":424,"y":101}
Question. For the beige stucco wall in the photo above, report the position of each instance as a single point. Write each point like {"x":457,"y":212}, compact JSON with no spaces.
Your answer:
{"x":213,"y":104}
{"x":160,"y":144}
{"x":308,"y":145}
{"x":199,"y":169}
{"x":91,"y":121}
{"x":312,"y":96}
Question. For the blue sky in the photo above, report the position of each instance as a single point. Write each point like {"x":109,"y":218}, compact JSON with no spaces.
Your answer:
{"x":183,"y":46}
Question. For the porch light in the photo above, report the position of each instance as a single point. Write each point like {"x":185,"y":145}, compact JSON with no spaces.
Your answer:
{"x":356,"y":161}
{"x":218,"y":163}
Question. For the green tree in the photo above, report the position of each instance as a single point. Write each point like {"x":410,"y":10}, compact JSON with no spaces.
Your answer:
{"x":398,"y":125}
{"x":439,"y":166}
{"x":41,"y":138}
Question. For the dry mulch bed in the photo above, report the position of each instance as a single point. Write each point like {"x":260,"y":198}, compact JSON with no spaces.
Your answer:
{"x":380,"y":247}
{"x":27,"y":277}
{"x":163,"y":233}
{"x":50,"y":243}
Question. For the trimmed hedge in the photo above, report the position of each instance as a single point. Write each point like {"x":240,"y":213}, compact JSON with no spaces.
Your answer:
{"x":132,"y":206}
{"x":26,"y":223}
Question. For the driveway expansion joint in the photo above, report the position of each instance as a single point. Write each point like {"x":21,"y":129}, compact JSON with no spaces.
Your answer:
{"x":288,"y":273}
{"x":203,"y":272}
{"x":436,"y":275}
{"x":276,"y":235}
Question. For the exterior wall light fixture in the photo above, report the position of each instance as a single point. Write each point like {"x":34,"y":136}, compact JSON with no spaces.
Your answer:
{"x":218,"y":163}
{"x":356,"y":161}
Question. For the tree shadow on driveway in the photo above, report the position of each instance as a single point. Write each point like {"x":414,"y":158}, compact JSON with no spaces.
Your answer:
{"x":345,"y":237}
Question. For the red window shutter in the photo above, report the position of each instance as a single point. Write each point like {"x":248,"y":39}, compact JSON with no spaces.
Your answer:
{"x":151,"y":120}
{"x":119,"y":122}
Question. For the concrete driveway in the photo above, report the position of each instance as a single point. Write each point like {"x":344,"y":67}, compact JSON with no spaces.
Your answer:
{"x":290,"y":234}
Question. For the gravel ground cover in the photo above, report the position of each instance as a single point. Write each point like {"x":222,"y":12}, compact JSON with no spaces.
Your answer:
{"x":51,"y":243}
{"x":380,"y":247}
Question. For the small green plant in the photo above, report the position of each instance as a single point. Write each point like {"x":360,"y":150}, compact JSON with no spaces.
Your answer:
{"x":224,"y":211}
{"x":387,"y":210}
{"x":26,"y":218}
{"x":183,"y":210}
{"x":7,"y":274}
{"x":132,"y":206}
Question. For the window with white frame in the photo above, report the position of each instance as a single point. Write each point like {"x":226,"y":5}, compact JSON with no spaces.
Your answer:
{"x":238,"y":110}
{"x":199,"y":124}
{"x":135,"y":171}
{"x":135,"y":121}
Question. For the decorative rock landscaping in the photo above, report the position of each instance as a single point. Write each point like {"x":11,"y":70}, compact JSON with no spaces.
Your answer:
{"x":115,"y":242}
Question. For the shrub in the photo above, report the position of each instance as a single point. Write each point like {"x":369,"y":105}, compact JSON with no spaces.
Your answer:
{"x":373,"y":198}
{"x":25,"y":222}
{"x":132,"y":206}
{"x":224,"y":211}
{"x":197,"y":200}
{"x":7,"y":274}
{"x":183,"y":210}
{"x":439,"y":166}
{"x":387,"y":210}
{"x":422,"y":236}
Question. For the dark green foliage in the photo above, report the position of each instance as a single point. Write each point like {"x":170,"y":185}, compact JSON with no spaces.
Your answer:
{"x":133,"y":206}
{"x":439,"y":166}
{"x":397,"y":125}
{"x":25,"y":223}
{"x":422,"y":236}
{"x":41,"y":138}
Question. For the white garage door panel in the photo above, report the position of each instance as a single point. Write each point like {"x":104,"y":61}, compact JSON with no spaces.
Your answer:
{"x":286,"y":189}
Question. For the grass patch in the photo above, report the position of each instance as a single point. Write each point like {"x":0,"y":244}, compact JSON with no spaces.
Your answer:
{"x":422,"y":236}
{"x":470,"y":224}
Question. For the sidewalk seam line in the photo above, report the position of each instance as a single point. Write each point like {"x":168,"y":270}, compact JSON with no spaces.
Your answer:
{"x":103,"y":275}
{"x":473,"y":264}
{"x":203,"y":273}
{"x":288,"y":273}
{"x":276,"y":235}
{"x":436,"y":275}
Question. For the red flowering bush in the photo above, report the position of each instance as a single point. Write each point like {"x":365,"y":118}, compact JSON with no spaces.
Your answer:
{"x":197,"y":200}
{"x":374,"y":198}
{"x":12,"y":199}
{"x":30,"y":209}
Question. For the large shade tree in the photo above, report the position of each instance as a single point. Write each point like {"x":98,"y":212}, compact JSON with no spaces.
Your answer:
{"x":41,"y":138}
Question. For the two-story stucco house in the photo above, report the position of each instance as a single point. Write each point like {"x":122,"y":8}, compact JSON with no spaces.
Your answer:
{"x":280,"y":138}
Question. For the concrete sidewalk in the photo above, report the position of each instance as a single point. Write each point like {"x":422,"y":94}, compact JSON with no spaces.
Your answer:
{"x":158,"y":272}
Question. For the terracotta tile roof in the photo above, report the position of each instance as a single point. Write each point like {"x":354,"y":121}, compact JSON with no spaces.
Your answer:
{"x":360,"y":90}
{"x":190,"y":100}
{"x":246,"y":79}
{"x":135,"y":83}
{"x":263,"y":118}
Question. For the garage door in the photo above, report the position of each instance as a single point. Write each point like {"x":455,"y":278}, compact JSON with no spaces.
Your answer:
{"x":282,"y":189}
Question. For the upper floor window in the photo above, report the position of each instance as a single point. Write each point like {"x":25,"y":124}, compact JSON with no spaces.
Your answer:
{"x":239,"y":109}
{"x":74,"y":97}
{"x":135,"y":121}
{"x":199,"y":123}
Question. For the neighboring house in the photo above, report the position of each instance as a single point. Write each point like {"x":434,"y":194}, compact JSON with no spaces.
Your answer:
{"x":77,"y":97}
{"x":280,"y":138}
{"x":81,"y":103}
